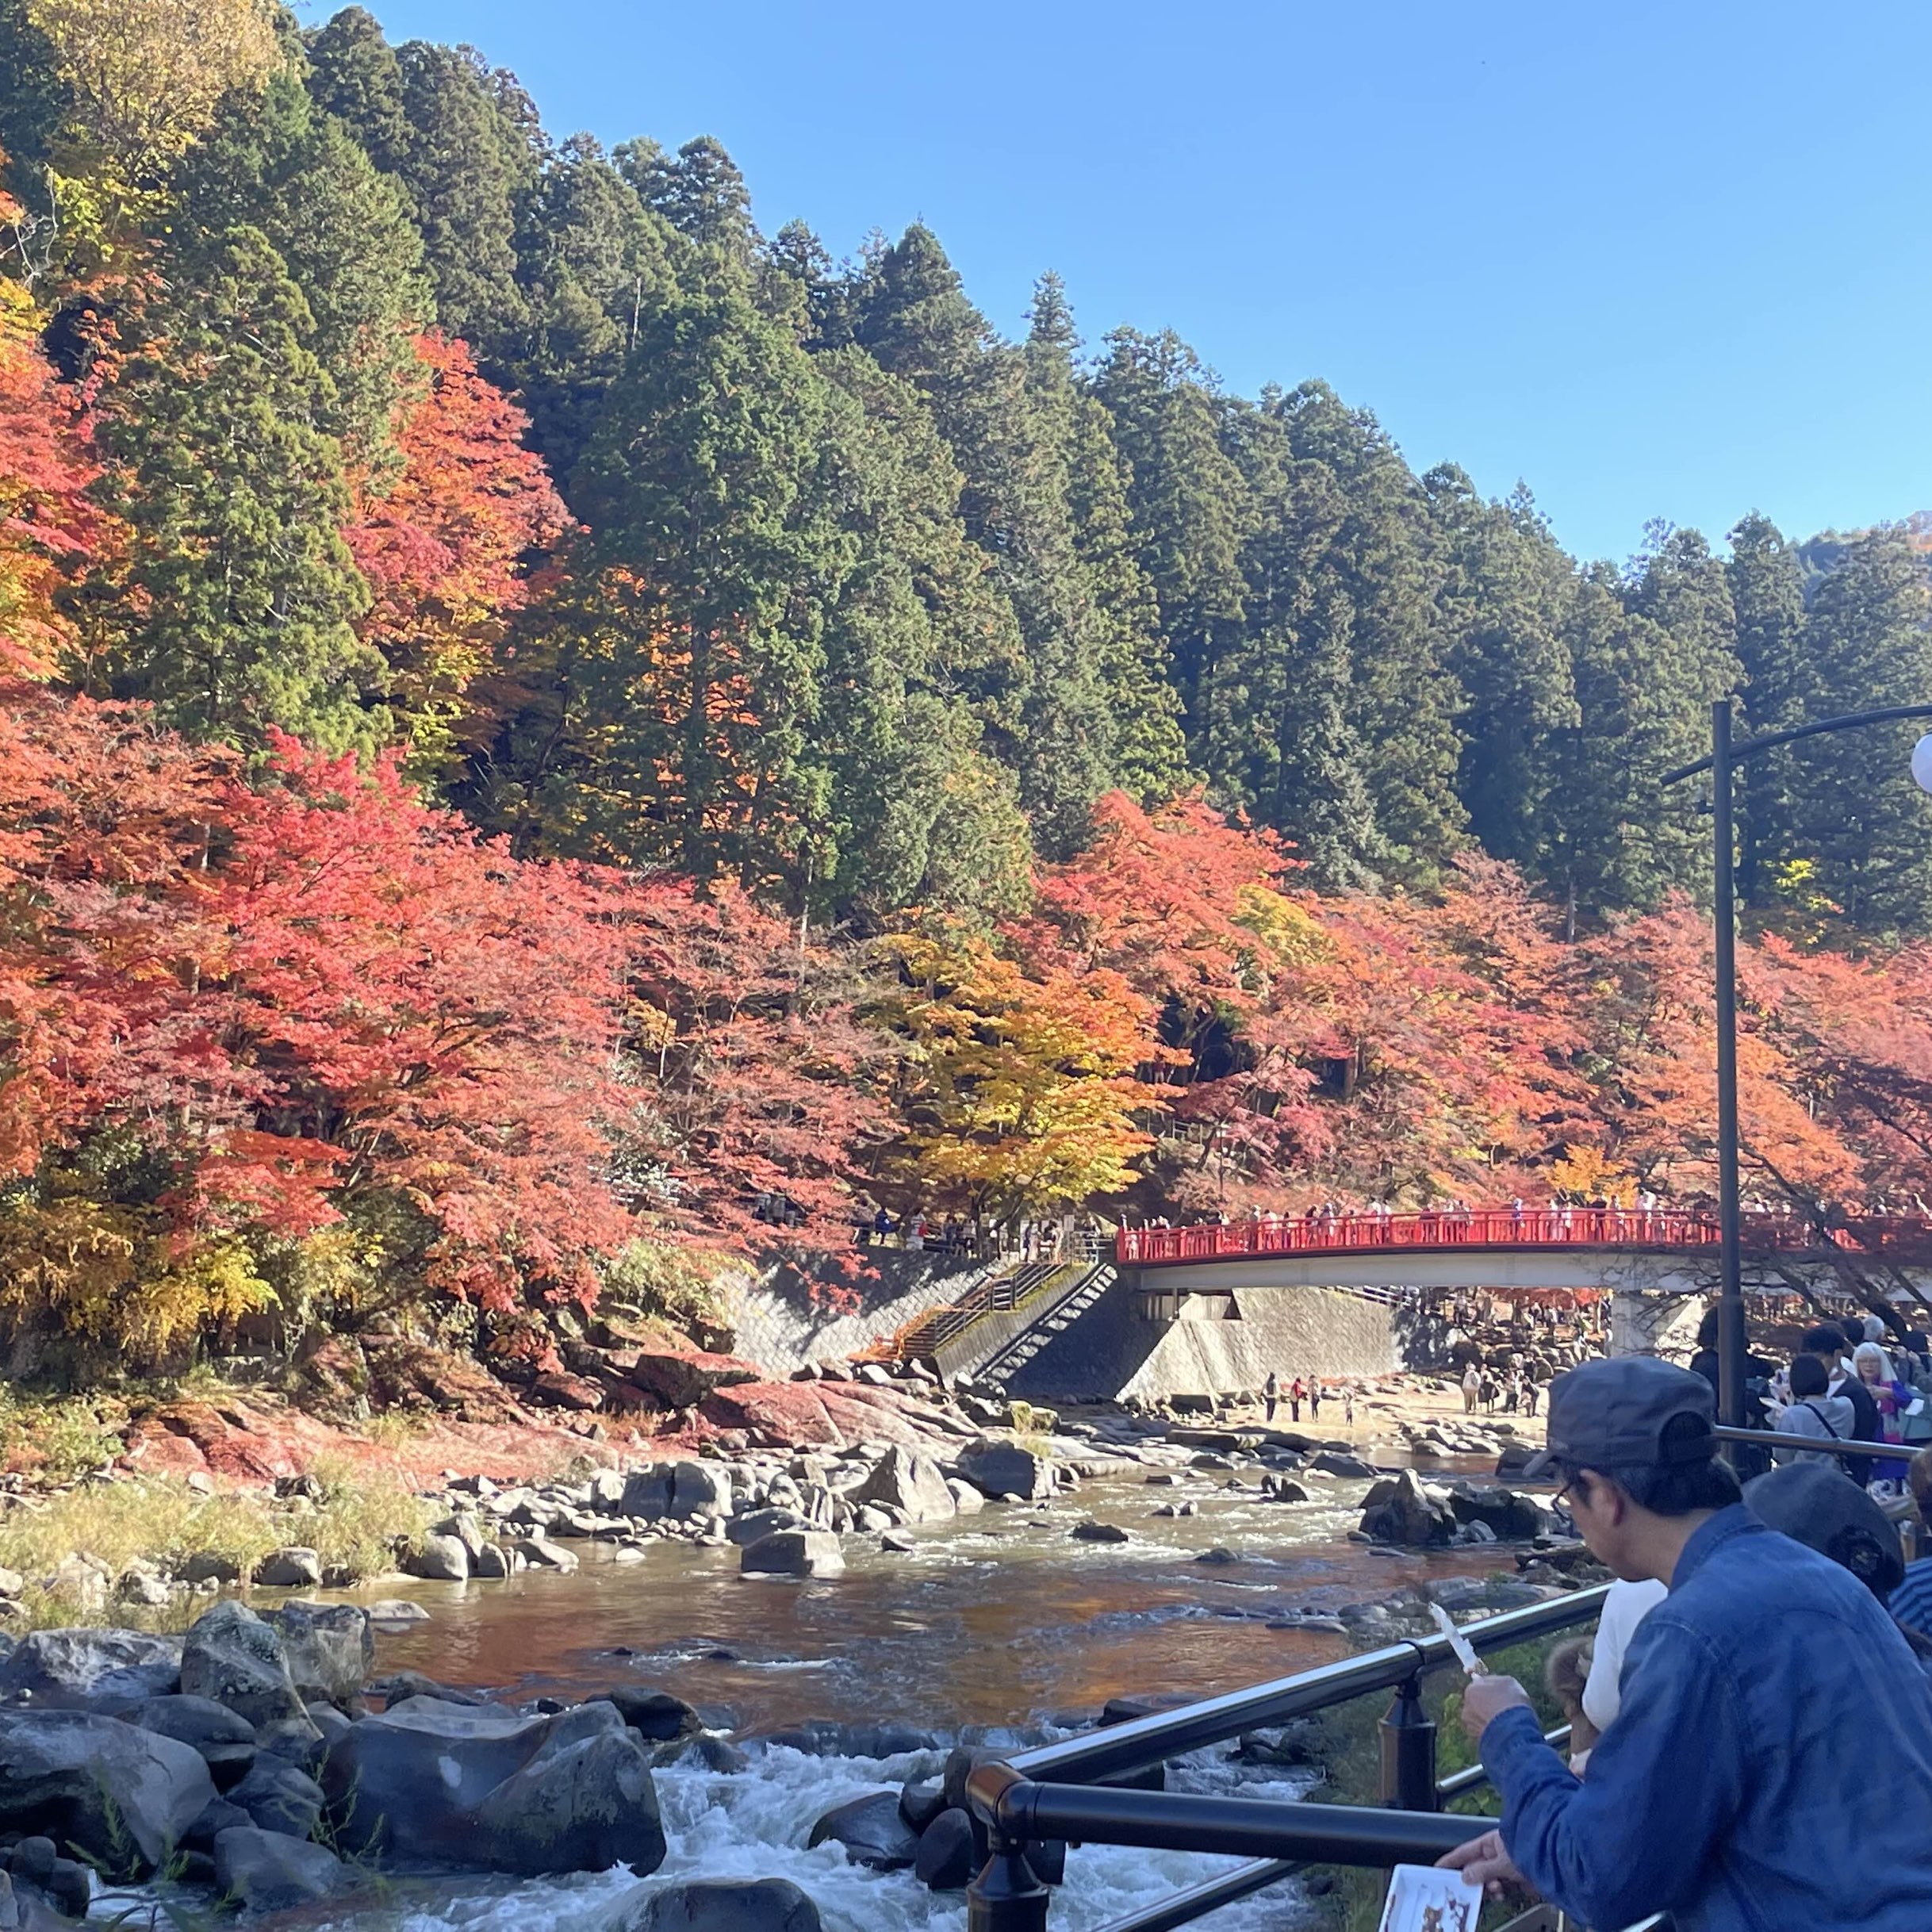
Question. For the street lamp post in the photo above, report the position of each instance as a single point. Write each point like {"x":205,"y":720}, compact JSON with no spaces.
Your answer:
{"x":1725,"y":756}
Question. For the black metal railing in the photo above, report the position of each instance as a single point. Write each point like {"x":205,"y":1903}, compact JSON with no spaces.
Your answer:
{"x":1054,"y":1792}
{"x":1765,"y":1438}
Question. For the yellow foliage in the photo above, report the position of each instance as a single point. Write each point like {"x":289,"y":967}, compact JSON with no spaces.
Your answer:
{"x":98,"y":1275}
{"x":1023,"y":1093}
{"x":145,"y":75}
{"x":1589,"y":1171}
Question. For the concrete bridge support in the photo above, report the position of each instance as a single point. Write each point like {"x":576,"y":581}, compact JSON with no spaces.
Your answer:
{"x":1650,"y":1324}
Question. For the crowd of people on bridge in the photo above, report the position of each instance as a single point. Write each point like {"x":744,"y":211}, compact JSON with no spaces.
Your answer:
{"x":1751,"y":1745}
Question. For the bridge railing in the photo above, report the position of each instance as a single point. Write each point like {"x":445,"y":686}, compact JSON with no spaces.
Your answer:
{"x":1900,"y":1236}
{"x":1056,"y":1792}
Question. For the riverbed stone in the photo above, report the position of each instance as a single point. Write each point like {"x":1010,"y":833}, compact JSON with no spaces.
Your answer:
{"x":293,"y":1567}
{"x":119,"y":1795}
{"x":700,"y":1489}
{"x":450,"y":1784}
{"x":439,"y":1558}
{"x":794,"y":1553}
{"x":1407,"y":1511}
{"x":656,"y":1715}
{"x":540,"y":1553}
{"x":944,"y":1861}
{"x":1333,"y":1463}
{"x":904,"y":1480}
{"x":278,"y":1797}
{"x":90,"y":1670}
{"x":720,"y":1905}
{"x":757,"y":1523}
{"x":996,"y":1468}
{"x":872,"y":1830}
{"x":1507,"y":1514}
{"x":224,"y":1739}
{"x":920,"y":1802}
{"x":329,"y":1648}
{"x":269,"y":1872}
{"x":966,"y":1500}
{"x":234,"y":1657}
{"x":1090,"y":1531}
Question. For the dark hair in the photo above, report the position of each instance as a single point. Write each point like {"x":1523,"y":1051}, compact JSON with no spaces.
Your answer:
{"x":1854,"y":1331}
{"x":1808,"y":1377}
{"x":1823,"y":1341}
{"x":1677,"y":1488}
{"x":1707,"y":1330}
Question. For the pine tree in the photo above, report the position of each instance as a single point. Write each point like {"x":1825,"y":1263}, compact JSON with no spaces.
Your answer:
{"x":1864,"y":826}
{"x":238,"y":603}
{"x":699,"y":191}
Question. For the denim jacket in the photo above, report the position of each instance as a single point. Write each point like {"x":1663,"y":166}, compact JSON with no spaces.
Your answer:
{"x":1770,"y":1769}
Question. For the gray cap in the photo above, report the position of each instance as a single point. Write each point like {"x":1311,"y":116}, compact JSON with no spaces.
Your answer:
{"x":1825,"y":1509}
{"x":1612,"y":1415}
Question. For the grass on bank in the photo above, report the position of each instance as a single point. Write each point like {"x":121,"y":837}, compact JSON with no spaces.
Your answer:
{"x":354,"y":1527}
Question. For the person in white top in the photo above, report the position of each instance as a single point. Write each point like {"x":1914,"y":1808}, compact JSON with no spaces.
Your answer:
{"x":1624,"y":1608}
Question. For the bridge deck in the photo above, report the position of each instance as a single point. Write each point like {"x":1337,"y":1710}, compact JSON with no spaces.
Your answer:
{"x":1899,"y":1240}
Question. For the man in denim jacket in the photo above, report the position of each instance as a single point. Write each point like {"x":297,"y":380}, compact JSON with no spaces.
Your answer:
{"x":1770,"y":1768}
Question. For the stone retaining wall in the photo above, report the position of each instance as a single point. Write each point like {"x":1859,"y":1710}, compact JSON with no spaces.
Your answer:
{"x":780,"y":1327}
{"x":1292,"y":1331}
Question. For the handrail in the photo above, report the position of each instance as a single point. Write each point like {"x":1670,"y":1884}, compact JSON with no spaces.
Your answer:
{"x":1477,"y":1776}
{"x":1183,"y":1908}
{"x":1813,"y":1445}
{"x":993,"y":1295}
{"x":1901,"y":1236}
{"x":1141,"y":1742}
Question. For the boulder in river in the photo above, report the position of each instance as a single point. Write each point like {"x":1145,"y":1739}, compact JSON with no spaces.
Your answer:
{"x":225,"y":1740}
{"x":904,"y":1480}
{"x":268,"y":1871}
{"x":756,"y":1523}
{"x":656,"y":1713}
{"x":118,"y":1795}
{"x":720,"y":1905}
{"x":439,"y":1558}
{"x":231,"y":1655}
{"x":1508,"y":1514}
{"x":1092,"y":1531}
{"x":1403,"y":1509}
{"x":328,"y":1649}
{"x":995,"y":1467}
{"x":1332,"y":1462}
{"x":88,"y":1670}
{"x":794,"y":1553}
{"x":450,"y":1784}
{"x":278,"y":1797}
{"x":946,"y":1861}
{"x":293,"y":1567}
{"x":873,"y":1830}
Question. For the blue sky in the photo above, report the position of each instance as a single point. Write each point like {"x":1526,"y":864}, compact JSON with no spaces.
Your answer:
{"x":1652,"y":260}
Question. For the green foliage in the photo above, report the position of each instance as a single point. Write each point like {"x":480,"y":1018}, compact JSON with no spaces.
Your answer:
{"x":237,"y":610}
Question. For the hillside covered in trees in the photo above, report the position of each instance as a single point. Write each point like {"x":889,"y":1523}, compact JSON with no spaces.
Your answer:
{"x":537,"y":713}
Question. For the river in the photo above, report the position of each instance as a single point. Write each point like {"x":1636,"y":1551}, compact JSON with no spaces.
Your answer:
{"x":998,"y":1623}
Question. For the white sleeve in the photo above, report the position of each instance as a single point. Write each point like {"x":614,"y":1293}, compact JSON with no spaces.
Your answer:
{"x":1626,"y":1607}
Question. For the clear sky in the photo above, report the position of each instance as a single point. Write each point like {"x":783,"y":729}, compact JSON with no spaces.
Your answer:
{"x":1654,"y":260}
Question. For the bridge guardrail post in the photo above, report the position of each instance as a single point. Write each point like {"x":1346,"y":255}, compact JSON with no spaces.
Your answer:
{"x":1005,"y":1896}
{"x":1407,"y":1734}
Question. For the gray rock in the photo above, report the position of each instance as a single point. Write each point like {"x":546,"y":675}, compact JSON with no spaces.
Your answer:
{"x":872,"y":1830}
{"x":294,"y":1567}
{"x":450,"y":1784}
{"x":647,"y":1493}
{"x":225,"y":1740}
{"x":329,"y":1648}
{"x":88,"y":1670}
{"x":121,"y":1796}
{"x":945,"y":1862}
{"x":794,"y":1553}
{"x":231,"y":1655}
{"x":206,"y":1566}
{"x":656,"y":1715}
{"x":490,"y":1564}
{"x":920,"y":1803}
{"x":442,"y":1559}
{"x":722,"y":1905}
{"x":467,"y":1528}
{"x":1099,"y":1532}
{"x":997,"y":1468}
{"x":1507,"y":1514}
{"x":278,"y":1797}
{"x":904,"y":1480}
{"x":1331,"y":1462}
{"x":1405,"y":1512}
{"x":395,"y":1611}
{"x":966,"y":1500}
{"x":266,"y":1872}
{"x":700,"y":1489}
{"x":756,"y":1523}
{"x":540,"y":1553}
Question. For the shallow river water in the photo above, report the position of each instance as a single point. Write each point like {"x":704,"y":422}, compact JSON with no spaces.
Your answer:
{"x":998,"y":1623}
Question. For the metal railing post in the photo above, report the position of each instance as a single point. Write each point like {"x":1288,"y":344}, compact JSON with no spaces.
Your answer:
{"x":1004,"y":1895}
{"x":1408,"y":1739}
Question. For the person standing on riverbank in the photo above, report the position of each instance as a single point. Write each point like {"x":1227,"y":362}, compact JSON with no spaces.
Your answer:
{"x":1314,"y":1398}
{"x":1271,"y":1393}
{"x":1295,"y":1394}
{"x":1732,"y":1790}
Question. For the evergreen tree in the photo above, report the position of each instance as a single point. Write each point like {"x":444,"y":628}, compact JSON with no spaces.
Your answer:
{"x":1505,"y":588}
{"x":591,"y":260}
{"x":273,"y":164}
{"x":237,"y":606}
{"x":698,"y":191}
{"x":1767,"y":594}
{"x":466,"y":165}
{"x":354,"y":74}
{"x":1862,"y":823}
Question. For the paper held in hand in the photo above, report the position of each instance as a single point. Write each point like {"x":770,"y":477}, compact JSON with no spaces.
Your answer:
{"x":1423,"y":1898}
